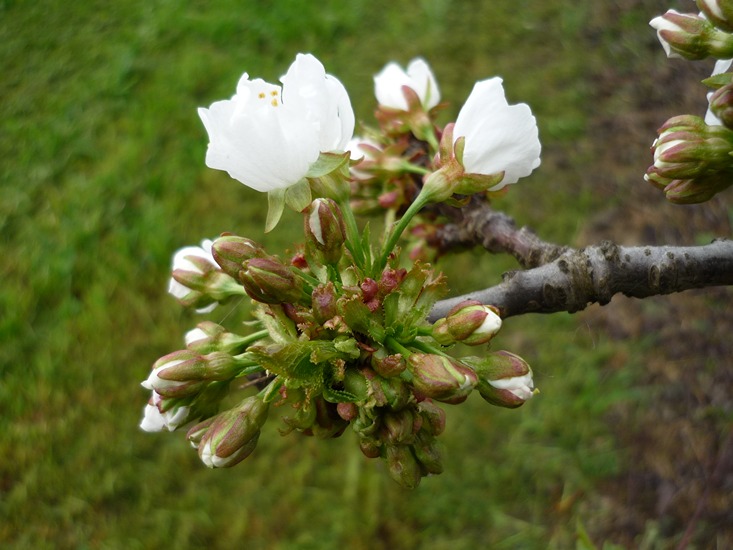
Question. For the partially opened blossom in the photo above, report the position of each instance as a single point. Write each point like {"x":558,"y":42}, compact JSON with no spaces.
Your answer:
{"x":171,"y":418}
{"x":267,"y":136}
{"x":418,"y":77}
{"x":195,"y":260}
{"x":498,"y":137}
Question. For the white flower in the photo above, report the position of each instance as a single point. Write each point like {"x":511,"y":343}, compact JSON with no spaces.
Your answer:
{"x":721,"y":66}
{"x":154,"y":420}
{"x":520,"y":386}
{"x":388,"y":85}
{"x":267,"y":137}
{"x":499,"y":137}
{"x":182,"y":260}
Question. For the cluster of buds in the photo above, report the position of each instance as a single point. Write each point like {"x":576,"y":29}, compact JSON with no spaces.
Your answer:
{"x":692,"y":156}
{"x":341,"y":337}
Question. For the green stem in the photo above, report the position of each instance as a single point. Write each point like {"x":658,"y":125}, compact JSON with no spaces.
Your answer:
{"x":397,"y":231}
{"x":414,"y":168}
{"x":394,"y":345}
{"x":427,"y":348}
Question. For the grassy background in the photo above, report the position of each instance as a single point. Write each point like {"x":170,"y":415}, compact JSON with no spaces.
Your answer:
{"x":103,"y":178}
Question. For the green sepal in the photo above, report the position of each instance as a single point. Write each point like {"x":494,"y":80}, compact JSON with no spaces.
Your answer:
{"x":338,"y":396}
{"x":279,"y":326}
{"x":718,"y":80}
{"x":299,"y":196}
{"x":327,"y":163}
{"x":276,"y":205}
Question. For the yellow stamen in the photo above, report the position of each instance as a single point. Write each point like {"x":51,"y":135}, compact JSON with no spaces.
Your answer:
{"x":261,"y":95}
{"x":274,"y":102}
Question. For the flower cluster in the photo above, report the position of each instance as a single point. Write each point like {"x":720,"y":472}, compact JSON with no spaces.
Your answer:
{"x":341,"y":337}
{"x":693,"y":156}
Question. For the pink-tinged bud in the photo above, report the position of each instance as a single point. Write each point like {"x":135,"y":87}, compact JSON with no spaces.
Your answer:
{"x":441,"y":378}
{"x":196,"y":433}
{"x":691,"y":36}
{"x":388,"y":365}
{"x":398,"y":427}
{"x":505,"y":379}
{"x":387,"y":392}
{"x":718,"y":12}
{"x":324,"y":231}
{"x":328,"y":423}
{"x":196,"y":280}
{"x":433,"y":416}
{"x":701,"y":189}
{"x":469,"y":322}
{"x":391,"y":279}
{"x":323,"y":300}
{"x":183,"y":373}
{"x":233,"y":435}
{"x":230,"y":252}
{"x":347,"y":411}
{"x":269,"y":281}
{"x":177,"y":374}
{"x":371,"y":448}
{"x":427,"y":451}
{"x":209,"y":337}
{"x":402,"y":465}
{"x":721,"y":104}
{"x":687,"y":148}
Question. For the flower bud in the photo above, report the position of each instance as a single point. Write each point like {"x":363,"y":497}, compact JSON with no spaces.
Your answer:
{"x":469,"y":322}
{"x":196,"y":433}
{"x":371,"y":448}
{"x":324,"y":231}
{"x":721,"y":105}
{"x":323,"y":302}
{"x":691,"y":36}
{"x":505,"y":379}
{"x":269,"y":281}
{"x":388,"y":365}
{"x":403,"y":466}
{"x":433,"y":416}
{"x":183,"y":373}
{"x":701,"y":189}
{"x":398,"y":427}
{"x":231,"y":251}
{"x":427,"y":451}
{"x":387,"y":392}
{"x":718,"y":12}
{"x":233,"y":434}
{"x":688,"y":148}
{"x":209,"y":337}
{"x":441,"y":378}
{"x":328,"y":423}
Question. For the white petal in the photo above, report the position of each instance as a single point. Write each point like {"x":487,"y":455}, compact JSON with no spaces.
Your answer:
{"x":388,"y":87}
{"x":424,"y":81}
{"x":499,"y":137}
{"x":152,"y":420}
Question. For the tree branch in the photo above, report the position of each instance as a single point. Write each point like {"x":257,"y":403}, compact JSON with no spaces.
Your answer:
{"x":478,"y":224}
{"x":578,"y":278}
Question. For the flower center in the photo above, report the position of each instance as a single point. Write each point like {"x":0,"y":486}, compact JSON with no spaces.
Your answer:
{"x":274,"y":97}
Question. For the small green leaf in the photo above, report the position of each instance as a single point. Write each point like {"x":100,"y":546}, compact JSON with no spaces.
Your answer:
{"x":298,"y":196}
{"x":276,"y":205}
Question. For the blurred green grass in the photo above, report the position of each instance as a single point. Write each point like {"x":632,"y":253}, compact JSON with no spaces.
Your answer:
{"x":103,"y":178}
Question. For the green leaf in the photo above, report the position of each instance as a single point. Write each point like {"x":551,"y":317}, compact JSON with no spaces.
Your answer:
{"x":276,"y":205}
{"x":298,"y":196}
